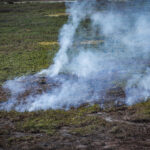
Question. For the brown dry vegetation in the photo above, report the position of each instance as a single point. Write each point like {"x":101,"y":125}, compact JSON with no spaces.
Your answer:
{"x":87,"y":127}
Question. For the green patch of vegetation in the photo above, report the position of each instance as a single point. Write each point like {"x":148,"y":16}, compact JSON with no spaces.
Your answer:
{"x":22,"y":27}
{"x":51,"y":121}
{"x":142,"y":111}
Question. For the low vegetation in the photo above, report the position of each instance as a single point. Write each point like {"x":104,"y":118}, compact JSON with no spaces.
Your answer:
{"x":23,"y":27}
{"x":29,"y":34}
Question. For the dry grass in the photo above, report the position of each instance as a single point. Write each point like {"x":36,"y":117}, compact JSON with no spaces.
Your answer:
{"x":57,"y":15}
{"x":48,"y":43}
{"x":89,"y":42}
{"x":92,"y":42}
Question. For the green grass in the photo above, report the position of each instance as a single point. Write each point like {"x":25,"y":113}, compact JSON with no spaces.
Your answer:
{"x":51,"y":120}
{"x":142,"y":111}
{"x":22,"y":27}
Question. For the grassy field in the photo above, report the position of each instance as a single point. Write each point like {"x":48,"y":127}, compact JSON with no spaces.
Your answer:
{"x":28,"y":42}
{"x":22,"y":28}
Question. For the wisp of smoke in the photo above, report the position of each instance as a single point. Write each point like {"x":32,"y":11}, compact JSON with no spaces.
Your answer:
{"x":102,"y":46}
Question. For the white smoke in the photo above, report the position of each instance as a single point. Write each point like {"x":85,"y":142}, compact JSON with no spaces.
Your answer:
{"x":84,"y":73}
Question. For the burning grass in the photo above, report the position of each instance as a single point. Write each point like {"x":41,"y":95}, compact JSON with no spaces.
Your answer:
{"x":88,"y":126}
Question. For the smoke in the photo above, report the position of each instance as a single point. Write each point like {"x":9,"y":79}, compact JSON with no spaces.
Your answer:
{"x":103,"y":47}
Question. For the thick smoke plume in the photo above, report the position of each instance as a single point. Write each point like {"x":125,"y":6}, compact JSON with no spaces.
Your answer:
{"x":103,"y":46}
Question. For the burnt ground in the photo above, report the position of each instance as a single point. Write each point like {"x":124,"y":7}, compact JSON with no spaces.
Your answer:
{"x":113,"y":130}
{"x":86,"y":127}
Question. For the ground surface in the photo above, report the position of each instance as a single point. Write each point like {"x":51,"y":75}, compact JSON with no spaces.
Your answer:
{"x":29,"y":34}
{"x":22,"y":28}
{"x":87,"y":127}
